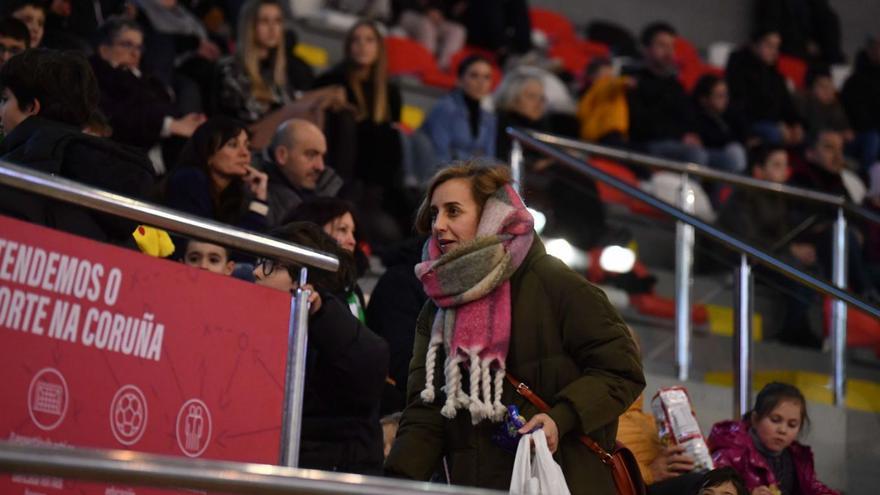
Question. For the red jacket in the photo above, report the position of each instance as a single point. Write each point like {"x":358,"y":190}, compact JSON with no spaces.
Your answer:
{"x":731,"y":445}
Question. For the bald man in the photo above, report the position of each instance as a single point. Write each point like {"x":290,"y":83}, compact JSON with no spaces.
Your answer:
{"x":296,"y":168}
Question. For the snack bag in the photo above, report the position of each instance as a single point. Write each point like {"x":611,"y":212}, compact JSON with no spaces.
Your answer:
{"x":677,"y":425}
{"x":507,"y":434}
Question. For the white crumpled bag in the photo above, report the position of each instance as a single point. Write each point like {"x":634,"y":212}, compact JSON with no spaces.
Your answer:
{"x":538,"y":475}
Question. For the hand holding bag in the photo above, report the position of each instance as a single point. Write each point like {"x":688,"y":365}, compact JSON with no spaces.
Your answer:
{"x":538,"y":474}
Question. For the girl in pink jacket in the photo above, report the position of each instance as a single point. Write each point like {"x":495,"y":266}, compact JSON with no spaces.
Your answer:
{"x":763,"y":447}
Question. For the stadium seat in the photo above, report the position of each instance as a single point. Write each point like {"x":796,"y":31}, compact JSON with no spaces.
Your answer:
{"x":793,"y":68}
{"x":555,"y":26}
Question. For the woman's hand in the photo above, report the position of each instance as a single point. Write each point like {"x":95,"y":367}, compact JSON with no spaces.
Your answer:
{"x":314,"y":299}
{"x":257,"y":182}
{"x":548,"y":425}
{"x":671,"y":462}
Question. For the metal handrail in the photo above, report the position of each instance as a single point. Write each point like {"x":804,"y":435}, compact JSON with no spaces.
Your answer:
{"x":695,"y":170}
{"x":709,"y":230}
{"x":80,"y":194}
{"x":684,"y":241}
{"x":136,"y":468}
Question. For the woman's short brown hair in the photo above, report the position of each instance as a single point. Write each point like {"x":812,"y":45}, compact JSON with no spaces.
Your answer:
{"x":485,"y":180}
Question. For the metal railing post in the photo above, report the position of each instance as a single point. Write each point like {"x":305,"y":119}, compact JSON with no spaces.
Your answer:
{"x":516,"y":164}
{"x":838,"y":311}
{"x":684,"y":251}
{"x":742,"y":346}
{"x":291,"y":425}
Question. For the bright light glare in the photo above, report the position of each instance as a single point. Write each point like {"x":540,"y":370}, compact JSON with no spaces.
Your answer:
{"x":617,"y":259}
{"x":561,"y":249}
{"x":540,"y":220}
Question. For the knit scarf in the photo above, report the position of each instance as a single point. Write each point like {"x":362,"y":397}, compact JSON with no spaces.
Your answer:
{"x":470,"y":285}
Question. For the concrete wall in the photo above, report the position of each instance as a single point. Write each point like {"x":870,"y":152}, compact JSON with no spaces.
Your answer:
{"x":706,"y":21}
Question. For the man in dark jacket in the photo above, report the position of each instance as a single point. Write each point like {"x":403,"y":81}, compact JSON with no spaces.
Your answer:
{"x":140,"y":109}
{"x":661,"y":115}
{"x":47,"y":98}
{"x":861,"y":100}
{"x":757,"y":87}
{"x":296,"y":169}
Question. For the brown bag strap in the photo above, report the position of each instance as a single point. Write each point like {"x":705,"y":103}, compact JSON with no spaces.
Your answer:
{"x":524,"y":390}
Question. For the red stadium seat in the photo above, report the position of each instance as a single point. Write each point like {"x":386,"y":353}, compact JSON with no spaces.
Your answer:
{"x":555,"y":26}
{"x":408,"y":57}
{"x":793,"y":68}
{"x":862,"y":329}
{"x":576,"y":54}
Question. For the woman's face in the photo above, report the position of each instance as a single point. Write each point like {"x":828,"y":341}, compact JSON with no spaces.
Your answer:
{"x":530,"y":101}
{"x":476,"y":81}
{"x":233,"y":157}
{"x":364,"y":47}
{"x":35,"y":20}
{"x":780,"y":428}
{"x":342,"y":229}
{"x":269,"y":29}
{"x":455,"y":214}
{"x":277,"y":278}
{"x":718,"y":98}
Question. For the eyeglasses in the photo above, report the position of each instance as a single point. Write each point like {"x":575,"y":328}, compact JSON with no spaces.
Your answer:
{"x":269,"y":265}
{"x":11,"y":50}
{"x":128,"y":45}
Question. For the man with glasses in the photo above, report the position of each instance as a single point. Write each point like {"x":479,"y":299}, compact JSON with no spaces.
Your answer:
{"x":141,"y":110}
{"x":14,"y":38}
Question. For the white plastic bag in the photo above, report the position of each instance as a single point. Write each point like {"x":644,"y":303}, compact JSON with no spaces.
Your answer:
{"x":538,"y":475}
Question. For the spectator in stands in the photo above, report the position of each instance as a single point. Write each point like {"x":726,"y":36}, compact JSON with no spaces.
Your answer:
{"x":548,"y":327}
{"x":216,"y":180}
{"x":346,"y":365}
{"x":177,"y":42}
{"x":810,"y":29}
{"x":394,"y":308}
{"x":721,"y":128}
{"x":47,"y":98}
{"x":140,"y":108}
{"x":296,"y":169}
{"x":722,"y":481}
{"x":763,"y":446}
{"x":458,"y":126}
{"x":602,"y":111}
{"x":757,"y":87}
{"x":767,"y":221}
{"x":520,"y":102}
{"x":207,"y":256}
{"x":14,"y":38}
{"x":661,"y":116}
{"x":364,"y":75}
{"x":861,"y":99}
{"x":664,"y":468}
{"x":819,"y":105}
{"x":338,"y":219}
{"x":263,"y":85}
{"x":429,"y":22}
{"x":33,"y":14}
{"x":63,"y":30}
{"x":500,"y":26}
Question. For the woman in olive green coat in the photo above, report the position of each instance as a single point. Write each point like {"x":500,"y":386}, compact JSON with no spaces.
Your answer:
{"x":500,"y":304}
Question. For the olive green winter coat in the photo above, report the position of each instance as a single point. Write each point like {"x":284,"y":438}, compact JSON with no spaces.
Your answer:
{"x":570,"y":345}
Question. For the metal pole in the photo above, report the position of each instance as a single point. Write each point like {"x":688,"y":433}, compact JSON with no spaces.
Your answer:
{"x":838,"y":312}
{"x":684,"y":251}
{"x":516,"y":165}
{"x":296,"y":366}
{"x":742,"y":348}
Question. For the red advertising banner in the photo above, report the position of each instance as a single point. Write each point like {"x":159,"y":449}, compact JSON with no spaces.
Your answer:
{"x":108,"y":348}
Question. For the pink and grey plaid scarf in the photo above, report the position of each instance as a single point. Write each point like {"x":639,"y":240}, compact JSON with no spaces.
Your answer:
{"x":470,"y":284}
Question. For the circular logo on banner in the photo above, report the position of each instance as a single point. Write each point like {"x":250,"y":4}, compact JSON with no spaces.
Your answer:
{"x":193,"y":427}
{"x":48,"y":399}
{"x":128,"y":415}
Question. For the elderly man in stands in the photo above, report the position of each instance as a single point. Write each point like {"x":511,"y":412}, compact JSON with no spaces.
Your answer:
{"x":296,"y":169}
{"x":662,"y":118}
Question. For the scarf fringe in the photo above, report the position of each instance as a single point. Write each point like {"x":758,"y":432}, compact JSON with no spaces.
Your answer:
{"x":484,"y":398}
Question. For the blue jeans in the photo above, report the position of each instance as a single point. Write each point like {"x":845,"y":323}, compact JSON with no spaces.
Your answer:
{"x":731,"y":158}
{"x":676,"y":150}
{"x":768,"y":131}
{"x":866,"y":148}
